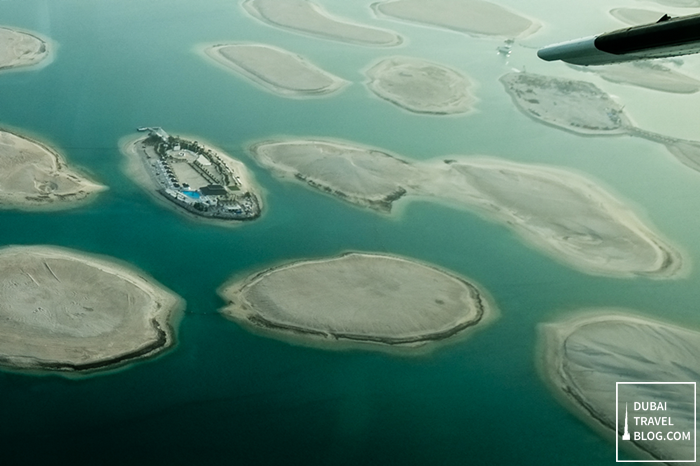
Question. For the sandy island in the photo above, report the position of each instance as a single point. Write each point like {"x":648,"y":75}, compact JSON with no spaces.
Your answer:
{"x":584,"y":357}
{"x":196,"y":179}
{"x":309,"y":18}
{"x":35,"y":177}
{"x":357,"y":298}
{"x":421,"y":86}
{"x":646,"y":74}
{"x":582,"y":108}
{"x":467,"y":16}
{"x":576,"y":106}
{"x":275,"y":69}
{"x":679,"y":3}
{"x":559,"y":212}
{"x":688,"y":152}
{"x":61,"y":310}
{"x":21,"y":49}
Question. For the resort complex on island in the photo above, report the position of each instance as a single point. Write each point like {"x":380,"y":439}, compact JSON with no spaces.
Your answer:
{"x":195,"y":177}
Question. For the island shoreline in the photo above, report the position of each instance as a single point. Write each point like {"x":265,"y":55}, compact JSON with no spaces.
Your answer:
{"x":167,"y":309}
{"x":485,"y":312}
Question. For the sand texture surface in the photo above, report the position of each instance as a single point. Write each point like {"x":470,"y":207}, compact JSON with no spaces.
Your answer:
{"x":584,"y":357}
{"x":62,"y":310}
{"x":687,"y":152}
{"x":275,"y":69}
{"x":636,"y":16}
{"x":576,"y":106}
{"x":555,"y":210}
{"x":20,"y":49}
{"x":561,"y":213}
{"x":35,"y":177}
{"x":582,"y":108}
{"x":467,"y":16}
{"x":357,"y":174}
{"x":309,"y":18}
{"x":680,"y":3}
{"x":646,"y":74}
{"x":361,"y":298}
{"x":420,"y":86}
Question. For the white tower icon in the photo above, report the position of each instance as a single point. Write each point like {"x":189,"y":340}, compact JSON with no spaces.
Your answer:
{"x":626,"y":435}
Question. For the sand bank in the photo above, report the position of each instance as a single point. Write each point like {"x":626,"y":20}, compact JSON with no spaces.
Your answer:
{"x":467,"y":16}
{"x":357,"y":174}
{"x":555,"y":210}
{"x":560,"y":213}
{"x":584,"y":357}
{"x":646,"y":74}
{"x":582,"y":108}
{"x":275,"y":69}
{"x":688,"y":152}
{"x":636,"y":16}
{"x":576,"y":106}
{"x":61,"y":310}
{"x":20,"y":49}
{"x":357,"y":298}
{"x":192,"y":177}
{"x":35,"y":177}
{"x":309,"y":18}
{"x":421,"y":86}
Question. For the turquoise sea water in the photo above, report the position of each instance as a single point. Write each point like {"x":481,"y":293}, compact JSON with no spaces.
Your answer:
{"x":225,"y":396}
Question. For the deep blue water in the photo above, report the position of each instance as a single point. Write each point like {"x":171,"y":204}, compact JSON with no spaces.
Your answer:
{"x":225,"y":396}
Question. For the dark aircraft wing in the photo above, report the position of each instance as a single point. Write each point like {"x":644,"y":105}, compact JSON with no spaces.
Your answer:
{"x":669,"y":37}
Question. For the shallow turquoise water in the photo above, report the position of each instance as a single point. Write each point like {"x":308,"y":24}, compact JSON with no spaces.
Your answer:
{"x":225,"y":396}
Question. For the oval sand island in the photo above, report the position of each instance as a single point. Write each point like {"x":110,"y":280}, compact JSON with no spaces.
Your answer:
{"x":61,"y":310}
{"x":421,"y":86}
{"x":357,"y":298}
{"x":559,"y":212}
{"x":583,"y":358}
{"x":467,"y":16}
{"x":308,"y":18}
{"x":20,"y":49}
{"x":35,"y":177}
{"x":357,"y":174}
{"x":680,"y":3}
{"x":277,"y":70}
